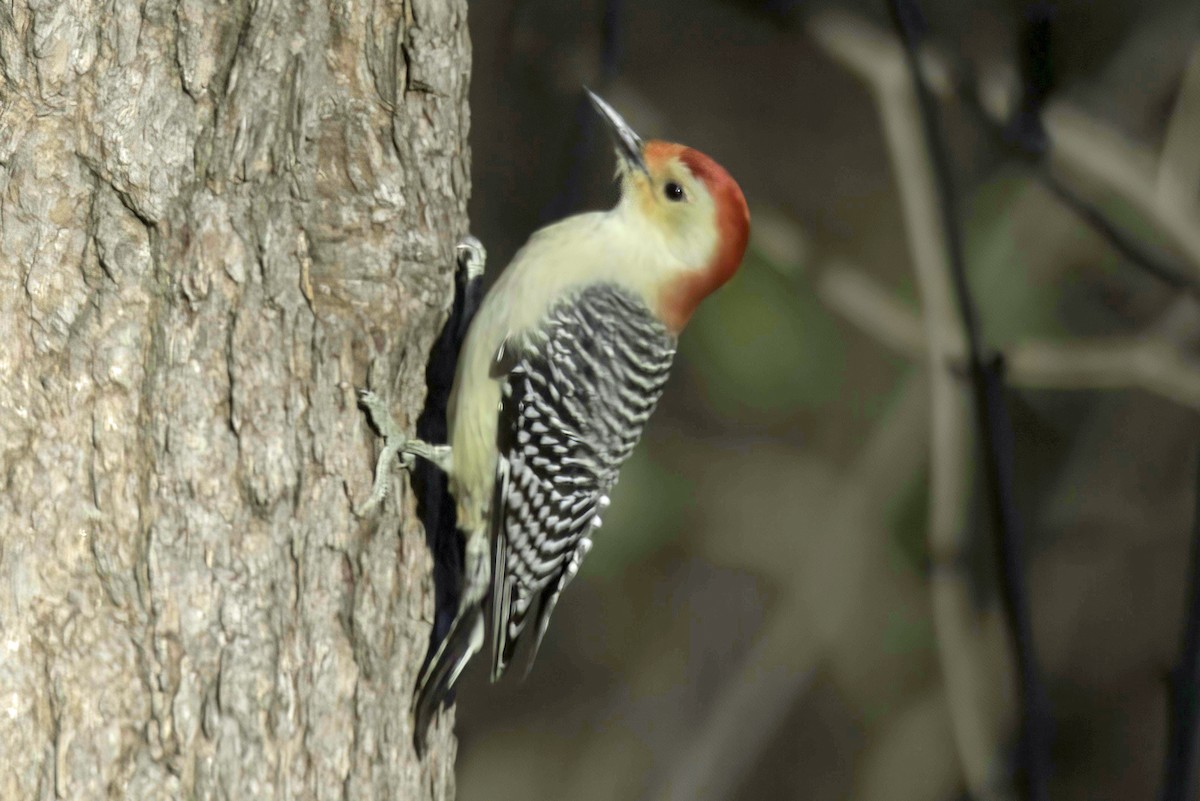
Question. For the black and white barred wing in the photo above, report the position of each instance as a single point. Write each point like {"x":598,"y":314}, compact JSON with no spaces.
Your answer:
{"x":576,"y":396}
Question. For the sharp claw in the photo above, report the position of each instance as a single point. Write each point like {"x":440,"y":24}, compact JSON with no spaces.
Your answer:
{"x":469,"y":242}
{"x":471,"y":255}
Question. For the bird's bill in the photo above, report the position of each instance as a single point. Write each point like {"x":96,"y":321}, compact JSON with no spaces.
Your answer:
{"x":626,"y":140}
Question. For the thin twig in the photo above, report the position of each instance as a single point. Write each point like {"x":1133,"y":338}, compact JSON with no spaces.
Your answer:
{"x":1150,"y":361}
{"x":977,"y":682}
{"x":1179,"y":776}
{"x":1179,"y":163}
{"x":995,"y":431}
{"x":1162,"y":187}
{"x":874,"y":310}
{"x":1089,"y":148}
{"x":1126,"y":244}
{"x":1121,"y":240}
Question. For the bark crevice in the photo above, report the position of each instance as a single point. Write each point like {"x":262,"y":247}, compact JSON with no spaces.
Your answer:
{"x":213,"y":227}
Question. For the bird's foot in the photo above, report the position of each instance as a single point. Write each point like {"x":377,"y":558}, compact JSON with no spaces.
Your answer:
{"x":395,"y":444}
{"x":472,"y":256}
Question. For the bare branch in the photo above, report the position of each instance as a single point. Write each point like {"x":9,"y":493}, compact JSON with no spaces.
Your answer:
{"x":881,"y":315}
{"x":1150,"y":362}
{"x":971,"y":683}
{"x":1147,"y":363}
{"x":1088,"y":147}
{"x":1179,"y":164}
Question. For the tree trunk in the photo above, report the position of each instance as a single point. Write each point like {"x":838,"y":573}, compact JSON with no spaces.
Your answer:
{"x":217,"y":219}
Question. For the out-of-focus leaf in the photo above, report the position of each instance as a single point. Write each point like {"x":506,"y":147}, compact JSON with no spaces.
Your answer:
{"x":780,"y":242}
{"x":907,"y":634}
{"x":1022,"y":280}
{"x":647,"y":510}
{"x":764,"y":346}
{"x":909,"y":523}
{"x":1015,"y":302}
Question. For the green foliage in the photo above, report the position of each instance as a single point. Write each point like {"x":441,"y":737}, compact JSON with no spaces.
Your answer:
{"x":908,"y":520}
{"x":907,"y":634}
{"x":1003,"y":266}
{"x":764,"y":346}
{"x":648,"y":510}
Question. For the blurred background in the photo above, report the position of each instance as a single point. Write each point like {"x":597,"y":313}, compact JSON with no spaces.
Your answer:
{"x":795,"y":593}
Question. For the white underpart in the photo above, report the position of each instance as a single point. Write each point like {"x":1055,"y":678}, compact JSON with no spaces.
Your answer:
{"x":621,"y":246}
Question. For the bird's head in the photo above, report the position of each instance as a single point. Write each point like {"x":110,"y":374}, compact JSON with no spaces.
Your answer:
{"x":690,"y":203}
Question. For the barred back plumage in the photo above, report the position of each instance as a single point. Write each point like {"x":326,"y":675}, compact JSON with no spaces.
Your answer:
{"x":577,"y":393}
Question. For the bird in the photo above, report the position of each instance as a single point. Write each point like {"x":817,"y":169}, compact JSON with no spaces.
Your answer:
{"x":561,"y":367}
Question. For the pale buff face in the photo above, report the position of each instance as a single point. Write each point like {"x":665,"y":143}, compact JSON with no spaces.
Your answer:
{"x":673,"y":205}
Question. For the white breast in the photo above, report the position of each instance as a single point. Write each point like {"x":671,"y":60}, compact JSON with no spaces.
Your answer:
{"x":611,"y":246}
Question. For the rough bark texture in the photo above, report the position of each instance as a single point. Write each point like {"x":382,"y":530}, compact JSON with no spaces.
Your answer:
{"x":217,"y":218}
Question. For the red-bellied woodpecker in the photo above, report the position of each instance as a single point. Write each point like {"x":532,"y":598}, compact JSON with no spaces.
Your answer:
{"x":560,"y":370}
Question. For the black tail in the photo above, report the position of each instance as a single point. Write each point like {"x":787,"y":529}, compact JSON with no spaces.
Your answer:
{"x":436,"y":682}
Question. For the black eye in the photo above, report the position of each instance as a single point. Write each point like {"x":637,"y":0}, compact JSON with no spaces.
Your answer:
{"x":673,"y":191}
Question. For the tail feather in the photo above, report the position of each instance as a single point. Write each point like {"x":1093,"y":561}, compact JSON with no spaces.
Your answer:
{"x":506,"y":623}
{"x":509,"y":607}
{"x":548,"y":602}
{"x":508,"y":627}
{"x":463,"y":641}
{"x":501,"y":605}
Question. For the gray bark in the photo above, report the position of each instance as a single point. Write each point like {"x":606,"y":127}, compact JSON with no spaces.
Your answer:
{"x":217,"y":219}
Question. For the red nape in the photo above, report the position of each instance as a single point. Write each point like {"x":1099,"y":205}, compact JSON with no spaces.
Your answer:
{"x":681,"y":297}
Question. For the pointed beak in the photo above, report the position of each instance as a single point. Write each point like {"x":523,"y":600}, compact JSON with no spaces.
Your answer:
{"x":627,"y":143}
